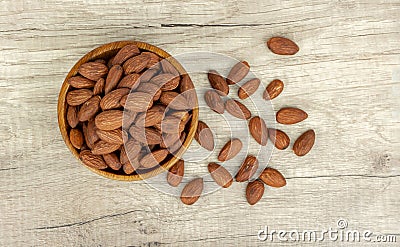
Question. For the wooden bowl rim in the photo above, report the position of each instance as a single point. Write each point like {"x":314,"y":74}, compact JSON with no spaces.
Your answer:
{"x":62,"y":109}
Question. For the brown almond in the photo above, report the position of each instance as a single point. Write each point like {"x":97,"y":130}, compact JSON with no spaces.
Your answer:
{"x":113,"y":78}
{"x":238,"y":72}
{"x":169,"y":139}
{"x":254,"y":192}
{"x":172,"y":125}
{"x":147,"y":75}
{"x":290,"y":115}
{"x":282,"y":46}
{"x":80,"y":82}
{"x":230,"y":149}
{"x":130,"y":167}
{"x":304,"y":143}
{"x":218,"y":83}
{"x":249,"y":88}
{"x":129,"y":117}
{"x":76,"y":138}
{"x":237,"y":109}
{"x":130,"y":81}
{"x":125,"y":53}
{"x":258,"y":129}
{"x":167,"y":67}
{"x":102,"y":147}
{"x":152,"y":117}
{"x":90,"y":134}
{"x":154,"y":158}
{"x":204,"y":136}
{"x":93,"y":71}
{"x":192,"y":191}
{"x":131,"y":149}
{"x":166,"y":82}
{"x":112,"y":99}
{"x":148,"y":136}
{"x":78,"y":97}
{"x":150,"y":88}
{"x":174,"y":100}
{"x":247,"y":169}
{"x":72,"y":116}
{"x":99,"y":86}
{"x":91,"y":160}
{"x":112,"y":161}
{"x":136,"y":64}
{"x":123,"y":100}
{"x":100,"y":61}
{"x":280,"y":139}
{"x":175,"y":173}
{"x":178,"y":144}
{"x":187,"y":89}
{"x":111,"y":136}
{"x":272,"y":177}
{"x":109,"y":120}
{"x":89,"y":109}
{"x":273,"y":89}
{"x":154,"y":59}
{"x":220,"y":175}
{"x":139,"y":101}
{"x":214,"y":101}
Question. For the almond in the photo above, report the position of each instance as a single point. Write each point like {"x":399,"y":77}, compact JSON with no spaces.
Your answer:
{"x":175,"y":173}
{"x":152,"y":117}
{"x":258,"y":129}
{"x":112,"y":99}
{"x":204,"y":136}
{"x":89,"y":109}
{"x":93,"y":71}
{"x":110,"y":136}
{"x":169,"y":139}
{"x":167,"y":67}
{"x":154,"y":158}
{"x":166,"y":82}
{"x":130,"y":167}
{"x":100,"y":61}
{"x":78,"y":97}
{"x":99,"y":86}
{"x":130,"y":81}
{"x":249,"y":88}
{"x":280,"y":139}
{"x":187,"y":89}
{"x":102,"y":147}
{"x":273,"y":89}
{"x":272,"y":177}
{"x":174,"y":100}
{"x":192,"y":191}
{"x":247,"y":169}
{"x":112,"y":161}
{"x":290,"y":115}
{"x":282,"y":46}
{"x":91,"y":160}
{"x":109,"y":120}
{"x":220,"y":175}
{"x":139,"y":101}
{"x":123,"y":100}
{"x":214,"y":101}
{"x":148,"y":75}
{"x":129,"y":118}
{"x":172,"y":125}
{"x":154,"y":59}
{"x":150,"y":88}
{"x":148,"y":136}
{"x":136,"y":64}
{"x":178,"y":144}
{"x":254,"y":191}
{"x":218,"y":83}
{"x":72,"y":116}
{"x":125,"y":53}
{"x":238,"y":72}
{"x":237,"y":109}
{"x":80,"y":82}
{"x":230,"y":150}
{"x":90,"y":134}
{"x":131,"y":149}
{"x":304,"y":143}
{"x":76,"y":138}
{"x":113,"y":78}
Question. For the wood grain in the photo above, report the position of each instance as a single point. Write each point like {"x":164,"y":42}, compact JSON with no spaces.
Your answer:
{"x":342,"y":76}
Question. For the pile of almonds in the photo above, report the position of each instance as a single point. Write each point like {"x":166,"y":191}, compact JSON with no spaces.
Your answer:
{"x":134,"y":104}
{"x":257,"y":128}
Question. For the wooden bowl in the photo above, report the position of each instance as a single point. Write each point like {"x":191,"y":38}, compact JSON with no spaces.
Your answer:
{"x":105,"y":52}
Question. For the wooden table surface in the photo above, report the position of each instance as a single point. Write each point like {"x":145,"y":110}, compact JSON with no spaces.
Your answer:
{"x":346,"y":76}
